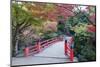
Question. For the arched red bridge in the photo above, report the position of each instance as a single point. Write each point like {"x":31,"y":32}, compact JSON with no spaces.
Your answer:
{"x":55,"y":50}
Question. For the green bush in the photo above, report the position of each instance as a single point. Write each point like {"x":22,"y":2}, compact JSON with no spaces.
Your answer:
{"x":49,"y":35}
{"x":84,"y":49}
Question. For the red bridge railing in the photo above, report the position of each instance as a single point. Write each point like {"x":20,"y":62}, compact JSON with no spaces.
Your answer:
{"x":69,"y":48}
{"x":39,"y":46}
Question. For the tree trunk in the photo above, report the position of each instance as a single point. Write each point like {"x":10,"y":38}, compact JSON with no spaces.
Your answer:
{"x":16,"y":46}
{"x":15,"y":41}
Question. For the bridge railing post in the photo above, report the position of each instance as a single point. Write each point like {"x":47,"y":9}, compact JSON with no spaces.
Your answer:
{"x":26,"y":51}
{"x":68,"y":48}
{"x":65,"y":47}
{"x":72,"y":49}
{"x":72,"y":53}
{"x":38,"y":46}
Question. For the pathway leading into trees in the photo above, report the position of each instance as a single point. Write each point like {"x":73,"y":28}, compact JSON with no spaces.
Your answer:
{"x":52,"y":54}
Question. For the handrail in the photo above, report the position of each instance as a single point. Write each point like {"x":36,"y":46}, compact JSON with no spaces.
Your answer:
{"x":69,"y":48}
{"x":39,"y":46}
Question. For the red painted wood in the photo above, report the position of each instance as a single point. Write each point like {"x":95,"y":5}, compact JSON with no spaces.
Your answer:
{"x":39,"y":46}
{"x":26,"y":51}
{"x":71,"y":55}
{"x":69,"y":50}
{"x":66,"y":48}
